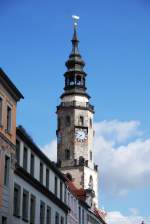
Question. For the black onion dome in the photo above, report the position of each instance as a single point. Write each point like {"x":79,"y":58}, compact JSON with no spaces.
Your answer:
{"x":75,"y":75}
{"x":75,"y":61}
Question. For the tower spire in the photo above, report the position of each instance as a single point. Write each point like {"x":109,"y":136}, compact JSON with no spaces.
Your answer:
{"x":75,"y":81}
{"x":75,"y":40}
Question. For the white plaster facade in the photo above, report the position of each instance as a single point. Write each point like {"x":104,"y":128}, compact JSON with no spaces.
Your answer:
{"x":55,"y":202}
{"x":39,"y":197}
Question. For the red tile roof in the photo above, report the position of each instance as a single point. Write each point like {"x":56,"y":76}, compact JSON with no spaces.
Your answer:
{"x":80,"y":193}
{"x":100,"y":213}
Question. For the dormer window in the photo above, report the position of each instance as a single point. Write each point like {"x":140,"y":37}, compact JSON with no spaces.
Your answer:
{"x":69,"y":176}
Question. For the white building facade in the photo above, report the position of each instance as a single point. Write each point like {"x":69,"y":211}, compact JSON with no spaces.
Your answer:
{"x":39,"y":195}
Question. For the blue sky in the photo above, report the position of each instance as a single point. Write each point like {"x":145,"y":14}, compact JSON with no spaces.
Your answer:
{"x":114,"y":42}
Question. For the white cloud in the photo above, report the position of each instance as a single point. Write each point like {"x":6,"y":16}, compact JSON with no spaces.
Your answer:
{"x":123,"y":166}
{"x":117,"y":131}
{"x":116,"y":217}
{"x":51,"y":150}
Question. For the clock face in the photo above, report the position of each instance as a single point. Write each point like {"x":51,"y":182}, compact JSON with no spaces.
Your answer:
{"x":80,"y":134}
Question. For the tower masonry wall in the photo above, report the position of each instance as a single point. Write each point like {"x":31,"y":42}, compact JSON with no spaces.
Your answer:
{"x":76,"y":98}
{"x":83,"y":148}
{"x":88,"y":172}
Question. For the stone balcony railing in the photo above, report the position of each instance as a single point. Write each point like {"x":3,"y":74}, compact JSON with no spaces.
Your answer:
{"x":85,"y":105}
{"x":78,"y":162}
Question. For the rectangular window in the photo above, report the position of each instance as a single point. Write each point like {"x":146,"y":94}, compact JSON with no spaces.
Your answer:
{"x":79,"y":214}
{"x":41,"y":173}
{"x":65,"y":195}
{"x":61,"y":191}
{"x":4,"y":220}
{"x":9,"y":117}
{"x":6,"y":172}
{"x":18,"y":151}
{"x":56,"y":218}
{"x":62,"y":220}
{"x":47,"y":178}
{"x":48,"y":216}
{"x":25,"y":158}
{"x":16,"y":202}
{"x":56,"y":186}
{"x":68,"y":121}
{"x":82,"y":216}
{"x":42,"y":213}
{"x":25,"y":205}
{"x":68,"y":198}
{"x":90,"y":155}
{"x":1,"y":110}
{"x":32,"y":209}
{"x":81,"y":120}
{"x":32,"y":165}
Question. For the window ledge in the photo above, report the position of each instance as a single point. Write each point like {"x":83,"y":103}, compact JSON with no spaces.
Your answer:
{"x":8,"y":132}
{"x":25,"y":219}
{"x":1,"y":126}
{"x":6,"y":186}
{"x":17,"y":216}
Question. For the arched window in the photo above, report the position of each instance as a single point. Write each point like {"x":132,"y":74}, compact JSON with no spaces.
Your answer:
{"x":71,"y":81}
{"x":81,"y":120}
{"x":78,"y":80}
{"x":84,"y":82}
{"x":91,"y":182}
{"x":91,"y":122}
{"x":69,"y":176}
{"x":67,"y":81}
{"x":67,"y":154}
{"x":68,"y":121}
{"x":81,"y":161}
{"x":90,"y":155}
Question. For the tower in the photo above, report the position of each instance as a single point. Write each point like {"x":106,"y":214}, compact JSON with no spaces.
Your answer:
{"x":75,"y":125}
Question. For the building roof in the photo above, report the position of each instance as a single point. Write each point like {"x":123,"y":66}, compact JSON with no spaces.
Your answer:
{"x":80,"y":193}
{"x":100,"y":213}
{"x":22,"y":134}
{"x":11,"y":88}
{"x":96,"y":214}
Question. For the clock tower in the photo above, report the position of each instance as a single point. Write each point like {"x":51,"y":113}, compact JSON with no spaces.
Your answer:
{"x":75,"y":126}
